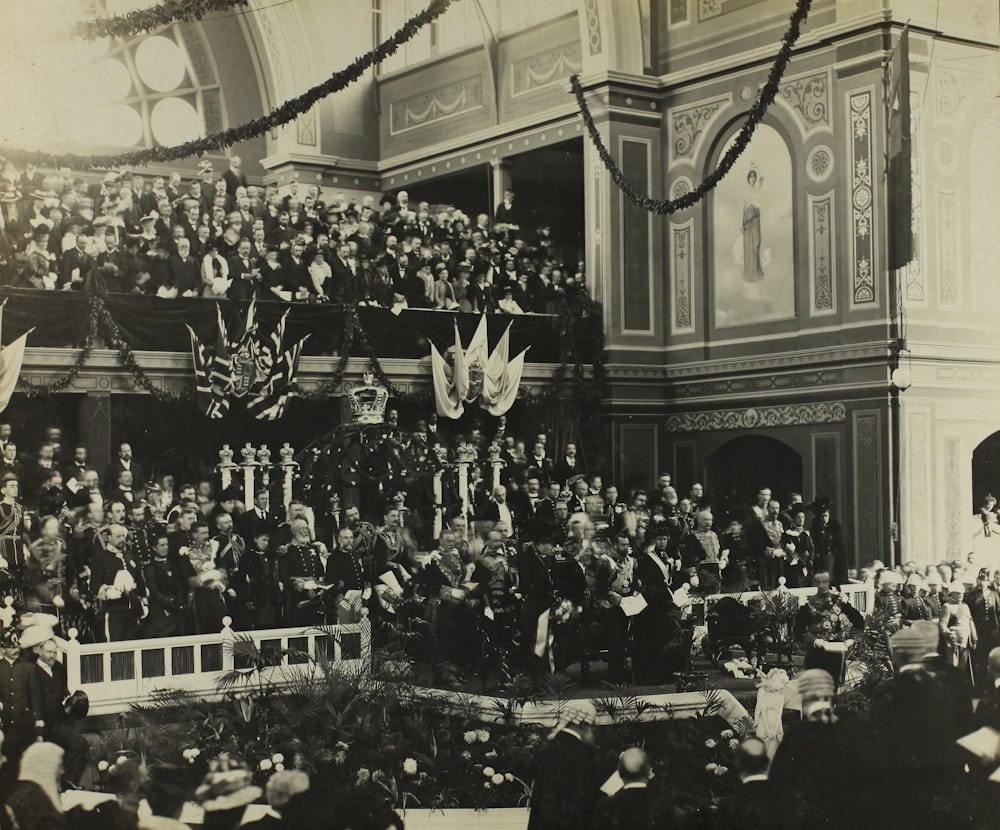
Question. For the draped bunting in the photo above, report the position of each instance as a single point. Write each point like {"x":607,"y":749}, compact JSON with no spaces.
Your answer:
{"x":152,"y":324}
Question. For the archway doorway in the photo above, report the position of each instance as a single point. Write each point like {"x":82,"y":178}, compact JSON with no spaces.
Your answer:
{"x":985,"y":470}
{"x":739,"y":468}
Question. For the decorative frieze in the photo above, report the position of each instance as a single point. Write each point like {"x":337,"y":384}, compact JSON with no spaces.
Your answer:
{"x":947,"y":224}
{"x":436,"y":105}
{"x":863,"y":267}
{"x":548,"y":67}
{"x":688,"y":123}
{"x":821,"y":254}
{"x":809,"y":96}
{"x":757,"y":417}
{"x":681,"y":277}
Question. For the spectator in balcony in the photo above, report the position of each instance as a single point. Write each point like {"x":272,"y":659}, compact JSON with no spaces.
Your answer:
{"x":190,"y":219}
{"x":282,"y":233}
{"x":480,"y":294}
{"x":215,"y":277}
{"x":320,"y":274}
{"x":507,"y":304}
{"x":244,"y":273}
{"x":183,"y":277}
{"x":444,"y":292}
{"x":76,"y":262}
{"x":296,"y":270}
{"x":272,"y":276}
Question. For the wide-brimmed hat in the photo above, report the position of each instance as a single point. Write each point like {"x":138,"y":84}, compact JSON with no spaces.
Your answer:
{"x":227,"y":785}
{"x":35,"y":635}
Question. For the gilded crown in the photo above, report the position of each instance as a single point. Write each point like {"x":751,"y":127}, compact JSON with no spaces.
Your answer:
{"x":368,"y":401}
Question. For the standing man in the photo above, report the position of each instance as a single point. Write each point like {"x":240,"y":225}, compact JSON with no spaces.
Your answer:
{"x":119,"y":585}
{"x":167,"y":592}
{"x":633,"y":807}
{"x":16,"y":717}
{"x":124,"y":461}
{"x":765,"y":540}
{"x":232,"y":559}
{"x":301,"y":571}
{"x":48,"y":690}
{"x":11,"y":525}
{"x":346,"y":571}
{"x":566,"y":787}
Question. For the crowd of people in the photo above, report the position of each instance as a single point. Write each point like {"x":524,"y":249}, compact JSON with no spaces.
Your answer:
{"x":222,"y":237}
{"x":546,"y":568}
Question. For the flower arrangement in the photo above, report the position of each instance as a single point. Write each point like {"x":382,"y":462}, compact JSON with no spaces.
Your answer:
{"x":565,"y":611}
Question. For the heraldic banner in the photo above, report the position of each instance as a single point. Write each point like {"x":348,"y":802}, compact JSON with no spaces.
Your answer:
{"x":253,"y":368}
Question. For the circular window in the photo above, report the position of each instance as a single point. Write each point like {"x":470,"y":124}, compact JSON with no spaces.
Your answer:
{"x":105,"y":82}
{"x":175,"y":121}
{"x":160,"y":63}
{"x":118,"y":126}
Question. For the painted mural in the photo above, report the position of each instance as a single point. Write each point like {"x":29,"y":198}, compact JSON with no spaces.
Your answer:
{"x":753,"y":235}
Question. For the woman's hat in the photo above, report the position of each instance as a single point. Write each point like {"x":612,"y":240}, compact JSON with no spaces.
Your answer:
{"x":227,"y":785}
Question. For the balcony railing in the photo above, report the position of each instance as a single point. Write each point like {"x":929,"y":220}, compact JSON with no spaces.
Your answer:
{"x":61,"y":319}
{"x":115,"y":675}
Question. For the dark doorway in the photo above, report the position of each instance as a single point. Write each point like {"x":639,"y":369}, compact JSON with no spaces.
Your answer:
{"x":985,"y":470}
{"x":739,"y":468}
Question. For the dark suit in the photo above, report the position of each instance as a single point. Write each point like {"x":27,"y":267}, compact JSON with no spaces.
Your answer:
{"x":757,"y":805}
{"x":244,"y":286}
{"x":231,"y":558}
{"x":111,"y":476}
{"x":561,"y":470}
{"x":566,"y":787}
{"x":74,"y":258}
{"x":166,"y":599}
{"x":184,"y":274}
{"x":47,"y":692}
{"x":251,"y":523}
{"x":633,"y":808}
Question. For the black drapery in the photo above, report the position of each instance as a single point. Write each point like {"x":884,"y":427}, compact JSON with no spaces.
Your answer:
{"x":60,"y":319}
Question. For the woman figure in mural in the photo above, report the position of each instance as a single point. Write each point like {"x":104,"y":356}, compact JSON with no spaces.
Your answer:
{"x":752,"y":268}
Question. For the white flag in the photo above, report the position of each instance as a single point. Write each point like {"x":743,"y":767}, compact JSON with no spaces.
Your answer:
{"x":11,"y":359}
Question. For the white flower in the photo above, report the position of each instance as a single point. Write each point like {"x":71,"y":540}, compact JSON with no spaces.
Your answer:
{"x":711,"y":767}
{"x":727,"y":733}
{"x":487,"y":785}
{"x":102,"y":766}
{"x":721,"y":770}
{"x":410,"y":766}
{"x":121,"y":759}
{"x":340,"y":757}
{"x":733,"y":743}
{"x":278,"y":758}
{"x":497,"y":779}
{"x":491,"y":754}
{"x":710,"y":743}
{"x":279,"y":767}
{"x":466,"y":754}
{"x":363,"y":775}
{"x":489,"y":772}
{"x":470,"y":737}
{"x":508,"y":776}
{"x":265,"y":765}
{"x":483,"y":735}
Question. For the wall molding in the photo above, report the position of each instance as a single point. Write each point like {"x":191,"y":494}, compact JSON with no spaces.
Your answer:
{"x":757,"y":417}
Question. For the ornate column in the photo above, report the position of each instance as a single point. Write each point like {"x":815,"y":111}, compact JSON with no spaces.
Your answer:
{"x":249,"y":464}
{"x":288,"y":466}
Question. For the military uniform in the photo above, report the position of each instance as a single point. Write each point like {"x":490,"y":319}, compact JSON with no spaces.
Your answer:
{"x":301,"y":562}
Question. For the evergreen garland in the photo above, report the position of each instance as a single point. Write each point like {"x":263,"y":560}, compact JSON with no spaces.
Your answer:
{"x":764,"y":99}
{"x":284,"y":114}
{"x":145,"y":20}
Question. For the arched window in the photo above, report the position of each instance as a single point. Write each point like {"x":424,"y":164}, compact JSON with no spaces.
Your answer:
{"x":141,"y":92}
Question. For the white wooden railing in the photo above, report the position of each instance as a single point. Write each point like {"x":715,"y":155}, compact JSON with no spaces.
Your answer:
{"x":115,"y":675}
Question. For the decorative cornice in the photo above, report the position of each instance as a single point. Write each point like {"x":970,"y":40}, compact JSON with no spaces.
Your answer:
{"x":754,"y":418}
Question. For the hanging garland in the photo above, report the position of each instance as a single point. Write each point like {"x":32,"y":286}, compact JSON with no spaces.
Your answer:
{"x":764,"y":99}
{"x":577,"y":325}
{"x":145,"y":20}
{"x":287,"y":112}
{"x":98,"y":318}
